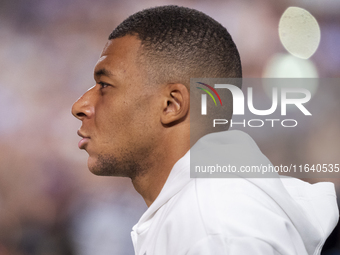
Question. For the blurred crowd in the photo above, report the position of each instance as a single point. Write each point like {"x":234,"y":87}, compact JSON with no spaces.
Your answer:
{"x":50,"y":204}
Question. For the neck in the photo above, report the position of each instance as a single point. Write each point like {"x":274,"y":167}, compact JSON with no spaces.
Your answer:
{"x":150,"y":183}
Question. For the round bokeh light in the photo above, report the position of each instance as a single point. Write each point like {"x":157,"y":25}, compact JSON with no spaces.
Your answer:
{"x":299,"y":32}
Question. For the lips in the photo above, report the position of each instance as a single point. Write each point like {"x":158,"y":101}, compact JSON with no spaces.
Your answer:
{"x":85,"y":139}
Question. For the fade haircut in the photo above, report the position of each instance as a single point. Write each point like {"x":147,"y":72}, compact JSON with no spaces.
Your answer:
{"x":179,"y":43}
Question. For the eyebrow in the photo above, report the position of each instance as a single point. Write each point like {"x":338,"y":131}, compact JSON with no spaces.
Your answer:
{"x":104,"y":72}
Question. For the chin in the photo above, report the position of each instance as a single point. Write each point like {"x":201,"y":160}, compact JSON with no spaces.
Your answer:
{"x":92,"y":164}
{"x":105,"y":165}
{"x":110,"y":165}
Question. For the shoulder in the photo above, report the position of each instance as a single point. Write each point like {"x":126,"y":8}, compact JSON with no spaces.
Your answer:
{"x":233,"y":245}
{"x":232,"y":212}
{"x":225,"y":205}
{"x":234,"y":202}
{"x":236,"y":213}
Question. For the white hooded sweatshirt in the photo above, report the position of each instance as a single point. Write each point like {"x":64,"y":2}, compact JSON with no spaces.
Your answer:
{"x":235,"y":216}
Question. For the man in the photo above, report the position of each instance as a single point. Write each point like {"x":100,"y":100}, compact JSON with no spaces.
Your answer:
{"x":136,"y":123}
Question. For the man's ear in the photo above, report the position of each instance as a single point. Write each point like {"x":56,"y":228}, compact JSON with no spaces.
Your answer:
{"x":176,"y":103}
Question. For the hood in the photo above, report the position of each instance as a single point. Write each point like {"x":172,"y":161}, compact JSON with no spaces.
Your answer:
{"x":312,"y":208}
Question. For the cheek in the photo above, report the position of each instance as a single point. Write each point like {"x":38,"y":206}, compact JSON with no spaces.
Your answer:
{"x":127,"y":123}
{"x":147,"y":125}
{"x":116,"y":124}
{"x":110,"y":115}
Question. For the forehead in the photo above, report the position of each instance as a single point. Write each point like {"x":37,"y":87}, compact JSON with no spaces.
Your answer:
{"x":119,"y":55}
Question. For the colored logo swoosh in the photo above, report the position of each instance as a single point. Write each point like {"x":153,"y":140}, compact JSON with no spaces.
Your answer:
{"x":208,"y":86}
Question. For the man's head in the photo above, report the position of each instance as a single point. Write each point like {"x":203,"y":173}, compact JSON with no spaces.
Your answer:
{"x":138,"y":112}
{"x":179,"y":43}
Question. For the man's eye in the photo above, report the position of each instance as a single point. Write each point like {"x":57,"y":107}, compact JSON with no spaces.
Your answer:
{"x":103,"y":85}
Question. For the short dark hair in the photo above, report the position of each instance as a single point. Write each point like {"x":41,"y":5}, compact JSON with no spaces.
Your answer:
{"x":179,"y":43}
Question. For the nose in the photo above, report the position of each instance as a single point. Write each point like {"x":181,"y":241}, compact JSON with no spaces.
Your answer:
{"x":84,"y":106}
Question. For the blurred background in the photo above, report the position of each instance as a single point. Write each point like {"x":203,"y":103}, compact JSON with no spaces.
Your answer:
{"x":50,"y":204}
